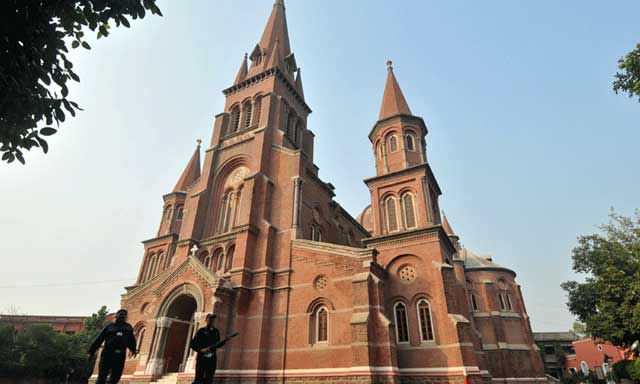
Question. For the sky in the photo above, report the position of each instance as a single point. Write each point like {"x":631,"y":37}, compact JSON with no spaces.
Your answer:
{"x":529,"y":143}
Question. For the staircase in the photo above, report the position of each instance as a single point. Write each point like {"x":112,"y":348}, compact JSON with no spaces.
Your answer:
{"x":169,"y":378}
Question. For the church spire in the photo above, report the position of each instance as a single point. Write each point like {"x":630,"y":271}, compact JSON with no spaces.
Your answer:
{"x":242,"y":72}
{"x":299,"y":83}
{"x":393,"y":101}
{"x":191,"y":173}
{"x":276,"y":31}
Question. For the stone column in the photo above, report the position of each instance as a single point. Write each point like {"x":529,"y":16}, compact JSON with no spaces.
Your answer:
{"x":427,"y":198}
{"x":156,"y":362}
{"x":190,"y":366}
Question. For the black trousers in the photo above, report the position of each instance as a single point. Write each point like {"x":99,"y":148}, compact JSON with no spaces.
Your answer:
{"x":110,"y":362}
{"x":205,"y":369}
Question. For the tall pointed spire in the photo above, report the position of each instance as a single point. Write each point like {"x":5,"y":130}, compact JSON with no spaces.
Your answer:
{"x":242,"y":72}
{"x":191,"y":173}
{"x":276,"y":31}
{"x":393,"y":101}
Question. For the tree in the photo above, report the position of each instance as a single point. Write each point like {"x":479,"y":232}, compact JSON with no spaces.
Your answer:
{"x":580,"y":329}
{"x":629,"y":79}
{"x":35,"y":68}
{"x":608,"y":301}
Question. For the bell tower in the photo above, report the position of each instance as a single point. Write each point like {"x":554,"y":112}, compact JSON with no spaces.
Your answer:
{"x":404,"y":191}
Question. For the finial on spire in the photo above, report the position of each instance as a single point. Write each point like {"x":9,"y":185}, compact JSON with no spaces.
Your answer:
{"x":389,"y":65}
{"x":198,"y":142}
{"x":279,"y":2}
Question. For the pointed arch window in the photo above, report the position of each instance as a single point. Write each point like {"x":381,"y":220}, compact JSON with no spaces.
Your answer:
{"x":322,"y":325}
{"x":167,"y":213}
{"x":246,"y":114}
{"x":508,"y":300}
{"x":140,"y":337}
{"x":222,"y":212}
{"x":391,"y":214}
{"x":424,"y":315}
{"x":402,"y":326}
{"x":206,"y":259}
{"x":179,"y":213}
{"x":410,"y":142}
{"x":316,"y":233}
{"x":393,"y":143}
{"x":409,"y":211}
{"x":147,"y":268}
{"x":379,"y":150}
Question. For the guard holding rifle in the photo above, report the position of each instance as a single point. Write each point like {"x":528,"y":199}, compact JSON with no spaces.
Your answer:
{"x":205,"y":343}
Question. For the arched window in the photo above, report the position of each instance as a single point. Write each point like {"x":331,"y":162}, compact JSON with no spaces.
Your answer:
{"x":391,"y":214}
{"x":501,"y":301}
{"x":402,"y":326}
{"x":322,"y":325}
{"x":167,"y":213}
{"x":140,"y":337}
{"x":508,"y":299}
{"x":393,"y":143}
{"x":409,"y":211}
{"x":222,"y":212}
{"x":147,"y":268}
{"x":246,"y":114}
{"x":316,"y":233}
{"x":234,"y":123}
{"x":379,"y":150}
{"x":424,"y":315}
{"x":410,"y":142}
{"x":256,"y":109}
{"x":474,"y":302}
{"x":229,"y":261}
{"x":291,"y":125}
{"x":179,"y":213}
{"x":206,"y":259}
{"x":230,"y":200}
{"x":218,"y":259}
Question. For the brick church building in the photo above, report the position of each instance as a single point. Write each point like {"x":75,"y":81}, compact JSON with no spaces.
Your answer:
{"x":254,"y":235}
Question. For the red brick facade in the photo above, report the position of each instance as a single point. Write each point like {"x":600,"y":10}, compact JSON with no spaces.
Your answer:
{"x":316,"y":295}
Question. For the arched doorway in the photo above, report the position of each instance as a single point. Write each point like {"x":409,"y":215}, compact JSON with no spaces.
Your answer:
{"x":181,"y":312}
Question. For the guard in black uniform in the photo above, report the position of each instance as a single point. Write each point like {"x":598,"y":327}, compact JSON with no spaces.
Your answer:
{"x":117,"y":337}
{"x":205,"y":342}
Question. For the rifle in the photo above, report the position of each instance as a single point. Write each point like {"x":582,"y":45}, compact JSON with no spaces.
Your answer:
{"x":220,"y":343}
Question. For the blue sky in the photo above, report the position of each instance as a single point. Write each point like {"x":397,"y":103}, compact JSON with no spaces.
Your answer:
{"x":528,"y":141}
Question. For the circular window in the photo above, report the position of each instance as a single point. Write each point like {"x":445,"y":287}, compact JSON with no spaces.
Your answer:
{"x":321,"y":282}
{"x":407,"y":273}
{"x":502,"y":285}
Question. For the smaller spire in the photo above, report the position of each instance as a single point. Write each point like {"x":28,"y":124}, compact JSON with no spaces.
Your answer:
{"x":275,"y":59}
{"x":393,"y":101}
{"x":242,"y":72}
{"x":299,"y":83}
{"x":191,"y":173}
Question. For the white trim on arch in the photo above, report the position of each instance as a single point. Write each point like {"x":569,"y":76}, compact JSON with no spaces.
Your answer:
{"x":397,"y":321}
{"x":420,"y":323}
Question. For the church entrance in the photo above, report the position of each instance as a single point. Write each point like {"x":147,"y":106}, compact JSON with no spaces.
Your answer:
{"x":181,"y":312}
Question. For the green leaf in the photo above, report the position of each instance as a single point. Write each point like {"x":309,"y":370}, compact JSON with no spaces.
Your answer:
{"x":74,"y":76}
{"x":64,"y":90}
{"x":86,"y":45}
{"x":43,"y":144}
{"x":6,"y":155}
{"x":125,"y":22}
{"x":20,"y":158}
{"x":48,"y":131}
{"x":75,"y":44}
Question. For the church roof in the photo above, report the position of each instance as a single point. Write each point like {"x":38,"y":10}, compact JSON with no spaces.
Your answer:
{"x":191,"y":173}
{"x":365,"y":218}
{"x":447,"y":226}
{"x":479,"y":262}
{"x":393,"y":101}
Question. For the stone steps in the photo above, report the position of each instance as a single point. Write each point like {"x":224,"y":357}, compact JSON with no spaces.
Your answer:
{"x":170,"y":378}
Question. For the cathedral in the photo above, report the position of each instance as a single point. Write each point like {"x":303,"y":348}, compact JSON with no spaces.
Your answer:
{"x":255,"y":236}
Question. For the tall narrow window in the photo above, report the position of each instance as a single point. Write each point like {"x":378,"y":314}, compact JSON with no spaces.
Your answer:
{"x":206,"y":260}
{"x":392,"y":219}
{"x":179,"y":213}
{"x":509,"y":306}
{"x":229,"y":262}
{"x":140,"y":337}
{"x":222,"y":212}
{"x":246,"y":114}
{"x":147,"y":268}
{"x":256,"y":110}
{"x":167,"y":213}
{"x":409,"y":212}
{"x":234,"y":124}
{"x":501,"y":301}
{"x":379,"y":150}
{"x":410,"y":142}
{"x":228,"y":217}
{"x":218,"y":259}
{"x":322,"y":325}
{"x":424,"y":315}
{"x":393,"y":143}
{"x":474,"y":302}
{"x":402,"y":327}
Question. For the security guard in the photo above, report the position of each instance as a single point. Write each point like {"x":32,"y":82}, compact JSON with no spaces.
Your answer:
{"x":117,"y":337}
{"x":205,"y":343}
